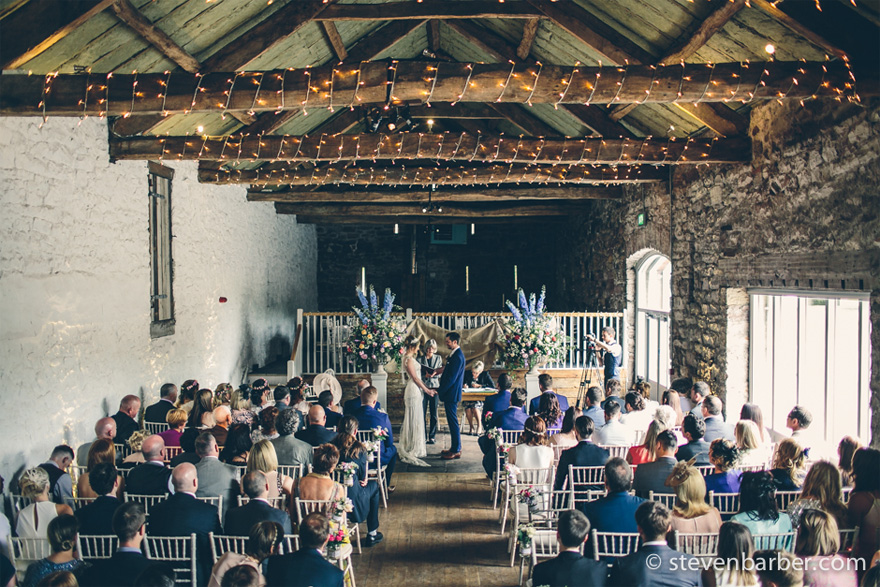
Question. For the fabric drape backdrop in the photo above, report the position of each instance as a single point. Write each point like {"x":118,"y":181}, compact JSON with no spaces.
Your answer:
{"x":478,"y":344}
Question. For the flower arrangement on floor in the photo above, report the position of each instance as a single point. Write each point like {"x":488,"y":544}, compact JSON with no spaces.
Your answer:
{"x":531,"y":337}
{"x":348,"y":471}
{"x":376,"y":338}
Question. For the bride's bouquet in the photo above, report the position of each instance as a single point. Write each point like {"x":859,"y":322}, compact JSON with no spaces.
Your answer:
{"x":375,"y":339}
{"x":531,"y":337}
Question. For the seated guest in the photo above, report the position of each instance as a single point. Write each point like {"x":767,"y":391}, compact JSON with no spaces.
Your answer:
{"x":242,"y":576}
{"x":288,"y":449}
{"x":594,"y":409}
{"x":652,"y":476}
{"x":126,"y":418}
{"x":725,"y":456}
{"x":672,"y":399}
{"x":316,"y":434}
{"x":798,"y":420}
{"x":822,"y":491}
{"x":59,"y":579}
{"x":369,"y":417}
{"x":864,"y":501}
{"x":33,"y":520}
{"x":364,"y":494}
{"x":652,"y":565}
{"x":263,"y":541}
{"x":238,"y":445}
{"x":325,"y":400}
{"x":202,"y":414}
{"x":306,"y":566}
{"x":636,"y":417}
{"x":778,"y":568}
{"x":262,"y":458}
{"x":186,"y":398}
{"x":176,"y":419}
{"x":260,"y":396}
{"x":566,"y":437}
{"x":666,"y":416}
{"x":752,"y":452}
{"x":647,"y":451}
{"x":613,"y":433}
{"x":757,"y":506}
{"x":499,"y":401}
{"x":585,"y":454}
{"x":240,"y":407}
{"x":616,"y":511}
{"x":268,"y":416}
{"x":694,"y":428}
{"x":135,"y":443}
{"x":97,"y":517}
{"x":101,"y":451}
{"x":187,"y":447}
{"x":699,"y":392}
{"x":475,"y":378}
{"x":643,"y":388}
{"x":732,"y":566}
{"x":158,"y":412}
{"x":613,"y":393}
{"x":62,"y":539}
{"x":545,"y":385}
{"x":691,"y":514}
{"x":351,"y":407}
{"x":298,"y":396}
{"x":570,"y":567}
{"x":121,"y":569}
{"x":282,"y":397}
{"x":753,"y":412}
{"x":56,"y":467}
{"x":683,"y":387}
{"x":846,"y":450}
{"x":513,"y":418}
{"x":182,"y":514}
{"x":240,"y":519}
{"x":104,"y":428}
{"x":157,"y":574}
{"x":151,"y":477}
{"x":222,"y":421}
{"x":548,"y":410}
{"x":716,"y":427}
{"x":788,"y":465}
{"x":319,"y":485}
{"x":533,"y":449}
{"x":216,"y":479}
{"x":817,"y":544}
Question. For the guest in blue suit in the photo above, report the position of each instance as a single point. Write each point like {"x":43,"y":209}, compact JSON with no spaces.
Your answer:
{"x":128,"y":562}
{"x":584,"y":454}
{"x":570,"y":567}
{"x":369,"y":417}
{"x":351,"y":407}
{"x":716,"y":427}
{"x":545,"y":384}
{"x":307,"y":565}
{"x":513,"y":418}
{"x":449,"y":392}
{"x":97,"y":517}
{"x":498,"y":402}
{"x":655,"y":564}
{"x":616,"y":512}
{"x":594,"y":409}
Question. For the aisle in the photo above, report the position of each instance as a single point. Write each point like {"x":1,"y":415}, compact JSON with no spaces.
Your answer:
{"x":440,"y":529}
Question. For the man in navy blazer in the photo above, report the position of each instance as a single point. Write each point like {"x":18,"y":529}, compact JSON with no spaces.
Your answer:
{"x":694,"y":429}
{"x":545,"y":384}
{"x":570,"y":567}
{"x":97,"y":517}
{"x":449,"y":392}
{"x":158,"y":412}
{"x":654,"y":564}
{"x":351,"y":407}
{"x":652,"y":476}
{"x":316,"y":434}
{"x":500,"y":401}
{"x":513,"y":418}
{"x":182,"y":514}
{"x":306,"y":566}
{"x":594,"y":409}
{"x":126,"y":418}
{"x":716,"y":427}
{"x":128,"y":562}
{"x":152,"y":476}
{"x":616,"y":512}
{"x":369,"y":417}
{"x":584,"y":454}
{"x":240,"y":520}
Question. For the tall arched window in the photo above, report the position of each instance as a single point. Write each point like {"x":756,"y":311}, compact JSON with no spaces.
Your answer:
{"x":653,"y":295}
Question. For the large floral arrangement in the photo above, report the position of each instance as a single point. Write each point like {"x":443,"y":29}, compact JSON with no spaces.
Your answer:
{"x":531,"y":335}
{"x":375,"y":339}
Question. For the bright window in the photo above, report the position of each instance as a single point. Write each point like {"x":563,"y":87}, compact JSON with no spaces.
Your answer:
{"x":813,"y":350}
{"x":653,"y":295}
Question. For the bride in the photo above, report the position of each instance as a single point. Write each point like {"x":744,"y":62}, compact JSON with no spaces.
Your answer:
{"x":412,"y":433}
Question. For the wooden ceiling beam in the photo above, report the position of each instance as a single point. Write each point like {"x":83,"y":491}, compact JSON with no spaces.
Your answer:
{"x":433,"y":35}
{"x":530,"y":30}
{"x":327,"y":144}
{"x":717,"y":117}
{"x":420,"y":220}
{"x":413,"y":174}
{"x":468,"y":212}
{"x":531,"y":125}
{"x":331,"y":33}
{"x":464,"y":194}
{"x":155,"y":36}
{"x":378,"y":41}
{"x":429,"y":10}
{"x":39,"y":24}
{"x":796,"y":27}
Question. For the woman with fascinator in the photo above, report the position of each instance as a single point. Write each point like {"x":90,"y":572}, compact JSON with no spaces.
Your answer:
{"x":691,"y":513}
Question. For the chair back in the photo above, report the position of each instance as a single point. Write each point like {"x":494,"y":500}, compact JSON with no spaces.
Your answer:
{"x":77,"y":503}
{"x":279,"y":503}
{"x":702,"y":544}
{"x":75,"y":471}
{"x":179,"y":552}
{"x":557,"y":452}
{"x":96,"y":547}
{"x":171,"y":452}
{"x":295,"y":472}
{"x":551,"y":504}
{"x":785,"y":499}
{"x":544,"y":546}
{"x":615,"y":450}
{"x":726,"y":503}
{"x":667,"y":499}
{"x":122,"y":448}
{"x":582,"y":480}
{"x":509,"y":436}
{"x":24,"y":551}
{"x":780,"y":541}
{"x":290,"y":543}
{"x":304,"y":507}
{"x":848,"y":539}
{"x":705,"y":469}
{"x":845,"y":493}
{"x":18,"y":503}
{"x":751,"y":468}
{"x":221,"y":544}
{"x":147,"y":500}
{"x":156,"y":427}
{"x":541,"y":477}
{"x":613,"y":544}
{"x":214,"y":501}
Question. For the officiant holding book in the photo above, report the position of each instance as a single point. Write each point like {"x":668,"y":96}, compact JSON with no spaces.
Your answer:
{"x":431,"y":366}
{"x":451,"y":382}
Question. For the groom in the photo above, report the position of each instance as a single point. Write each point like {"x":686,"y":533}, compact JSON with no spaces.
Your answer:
{"x":451,"y":382}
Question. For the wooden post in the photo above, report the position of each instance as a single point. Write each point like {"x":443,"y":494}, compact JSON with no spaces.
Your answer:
{"x":294,"y":365}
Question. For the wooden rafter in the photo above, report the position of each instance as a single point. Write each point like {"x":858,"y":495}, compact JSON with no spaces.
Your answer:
{"x":413,"y":174}
{"x":329,"y":146}
{"x":530,"y":124}
{"x":530,"y":29}
{"x":140,"y":24}
{"x":464,"y":194}
{"x":39,"y":24}
{"x":433,"y":35}
{"x":450,"y":210}
{"x":334,"y":39}
{"x":429,"y":10}
{"x":421,"y":219}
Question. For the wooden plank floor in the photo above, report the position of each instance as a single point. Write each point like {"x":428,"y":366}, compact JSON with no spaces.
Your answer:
{"x":440,"y":529}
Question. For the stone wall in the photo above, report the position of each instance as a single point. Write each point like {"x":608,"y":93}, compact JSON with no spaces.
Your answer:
{"x":75,"y":284}
{"x":808,"y":199}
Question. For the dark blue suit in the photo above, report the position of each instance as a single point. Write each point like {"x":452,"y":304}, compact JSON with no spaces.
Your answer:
{"x":449,"y":392}
{"x":181,"y":515}
{"x":303,"y":568}
{"x":316,"y":435}
{"x":365,"y":500}
{"x":695,"y":448}
{"x":563,"y":402}
{"x":97,"y":517}
{"x":120,"y":570}
{"x":368,"y":418}
{"x":158,"y":412}
{"x":497,"y":402}
{"x":570,"y":569}
{"x":240,"y":520}
{"x":585,"y":454}
{"x":333,"y":418}
{"x":614,"y":513}
{"x":351,"y":407}
{"x":658,"y":571}
{"x":652,"y":476}
{"x":513,"y":418}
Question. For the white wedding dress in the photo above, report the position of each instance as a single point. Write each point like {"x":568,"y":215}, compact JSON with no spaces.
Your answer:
{"x":412,"y":433}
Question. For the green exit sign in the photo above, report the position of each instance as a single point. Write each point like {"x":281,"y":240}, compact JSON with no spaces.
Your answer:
{"x":641,"y":219}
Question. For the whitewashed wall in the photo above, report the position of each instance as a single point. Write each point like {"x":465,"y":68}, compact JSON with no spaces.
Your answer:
{"x":75,"y":284}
